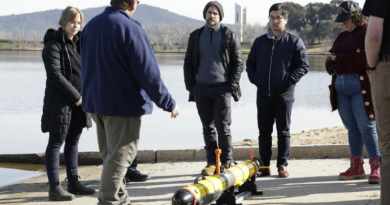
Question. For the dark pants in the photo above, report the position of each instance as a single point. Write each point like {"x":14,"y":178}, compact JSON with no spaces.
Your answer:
{"x":214,"y":109}
{"x":71,"y":139}
{"x":270,"y":109}
{"x":134,"y":164}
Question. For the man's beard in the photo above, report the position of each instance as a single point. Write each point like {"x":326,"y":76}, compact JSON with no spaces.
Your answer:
{"x":211,"y":22}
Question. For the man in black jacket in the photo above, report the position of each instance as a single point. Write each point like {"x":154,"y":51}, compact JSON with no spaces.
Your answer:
{"x":212,"y":71}
{"x":276,"y":62}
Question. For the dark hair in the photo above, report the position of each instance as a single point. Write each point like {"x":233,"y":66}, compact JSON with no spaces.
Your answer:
{"x":122,"y":4}
{"x":358,"y":18}
{"x":279,"y":7}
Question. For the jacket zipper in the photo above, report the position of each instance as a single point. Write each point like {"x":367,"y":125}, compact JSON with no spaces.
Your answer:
{"x":70,"y":64}
{"x":211,"y":36}
{"x":270,"y":69}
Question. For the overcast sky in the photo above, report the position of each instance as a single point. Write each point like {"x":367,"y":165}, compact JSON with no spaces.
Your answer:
{"x":257,"y":10}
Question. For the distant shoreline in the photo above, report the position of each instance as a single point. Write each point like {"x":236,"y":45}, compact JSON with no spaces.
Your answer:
{"x":21,"y":49}
{"x":40,"y":49}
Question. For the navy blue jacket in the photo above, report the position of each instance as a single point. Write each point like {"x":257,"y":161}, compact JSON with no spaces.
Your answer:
{"x":120,"y":75}
{"x":275,"y":66}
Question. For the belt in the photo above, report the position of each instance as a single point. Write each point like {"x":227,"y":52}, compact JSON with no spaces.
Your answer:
{"x":384,"y":57}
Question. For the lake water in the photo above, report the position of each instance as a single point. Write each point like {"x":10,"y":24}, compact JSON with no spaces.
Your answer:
{"x":22,"y":83}
{"x":11,"y":173}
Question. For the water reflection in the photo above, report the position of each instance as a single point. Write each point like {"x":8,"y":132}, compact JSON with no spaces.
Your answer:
{"x":20,"y":56}
{"x":24,"y":167}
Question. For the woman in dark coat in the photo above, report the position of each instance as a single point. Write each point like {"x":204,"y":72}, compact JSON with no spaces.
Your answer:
{"x":63,"y":116}
{"x":350,"y":91}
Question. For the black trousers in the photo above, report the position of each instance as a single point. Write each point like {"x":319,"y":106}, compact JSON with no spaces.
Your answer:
{"x":134,"y":164}
{"x":269,"y":110}
{"x":214,"y":109}
{"x":71,"y":139}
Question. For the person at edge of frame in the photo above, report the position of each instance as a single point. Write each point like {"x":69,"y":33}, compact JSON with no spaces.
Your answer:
{"x":377,"y":45}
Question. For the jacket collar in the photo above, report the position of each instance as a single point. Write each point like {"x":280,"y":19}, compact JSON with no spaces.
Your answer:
{"x":271,"y":35}
{"x":197,"y":32}
{"x":111,"y":9}
{"x":215,"y":29}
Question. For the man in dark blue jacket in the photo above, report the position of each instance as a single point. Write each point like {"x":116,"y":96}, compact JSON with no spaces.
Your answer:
{"x":276,"y":62}
{"x":212,"y":71}
{"x":120,"y":78}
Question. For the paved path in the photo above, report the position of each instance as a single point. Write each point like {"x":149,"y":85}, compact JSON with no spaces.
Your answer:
{"x":311,"y":182}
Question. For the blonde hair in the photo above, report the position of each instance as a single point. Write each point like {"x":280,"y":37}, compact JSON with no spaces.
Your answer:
{"x":358,"y":18}
{"x":70,"y":14}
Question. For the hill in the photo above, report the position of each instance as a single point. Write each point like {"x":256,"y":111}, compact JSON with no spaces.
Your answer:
{"x":32,"y":26}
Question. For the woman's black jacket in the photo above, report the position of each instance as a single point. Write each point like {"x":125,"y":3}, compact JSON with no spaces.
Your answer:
{"x":60,"y":94}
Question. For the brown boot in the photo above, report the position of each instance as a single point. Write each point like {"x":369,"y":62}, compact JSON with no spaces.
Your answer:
{"x":283,"y":173}
{"x":264,"y":172}
{"x":355,"y":171}
{"x":209,"y":170}
{"x":375,"y":175}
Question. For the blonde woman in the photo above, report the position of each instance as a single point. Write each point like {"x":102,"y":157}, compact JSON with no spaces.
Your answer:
{"x":63,"y":116}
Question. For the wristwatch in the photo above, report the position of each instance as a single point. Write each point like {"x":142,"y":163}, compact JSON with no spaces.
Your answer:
{"x":370,"y":68}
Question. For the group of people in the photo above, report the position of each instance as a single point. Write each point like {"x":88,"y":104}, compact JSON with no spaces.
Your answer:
{"x":108,"y":72}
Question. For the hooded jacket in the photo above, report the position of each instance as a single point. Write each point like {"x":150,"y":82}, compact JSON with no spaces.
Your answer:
{"x":60,"y":94}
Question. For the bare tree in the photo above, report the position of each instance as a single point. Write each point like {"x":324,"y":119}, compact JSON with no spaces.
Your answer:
{"x":165,"y":32}
{"x":179,"y":32}
{"x":152,"y":32}
{"x":252,"y":31}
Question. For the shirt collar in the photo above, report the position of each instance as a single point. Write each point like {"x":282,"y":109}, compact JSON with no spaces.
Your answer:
{"x":271,"y":35}
{"x":215,"y":29}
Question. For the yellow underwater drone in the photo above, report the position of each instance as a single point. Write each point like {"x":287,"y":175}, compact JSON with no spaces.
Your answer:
{"x":221,"y":186}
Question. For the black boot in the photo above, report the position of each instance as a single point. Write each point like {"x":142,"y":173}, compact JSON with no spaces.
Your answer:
{"x":133,"y":175}
{"x":75,"y":187}
{"x":56,"y":193}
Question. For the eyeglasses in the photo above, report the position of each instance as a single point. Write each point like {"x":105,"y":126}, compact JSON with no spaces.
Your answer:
{"x":273,"y":18}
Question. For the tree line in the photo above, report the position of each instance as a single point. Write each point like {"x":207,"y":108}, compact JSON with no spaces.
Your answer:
{"x":313,"y":22}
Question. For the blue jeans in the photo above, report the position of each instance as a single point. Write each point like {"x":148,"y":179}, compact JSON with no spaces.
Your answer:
{"x":361,"y":131}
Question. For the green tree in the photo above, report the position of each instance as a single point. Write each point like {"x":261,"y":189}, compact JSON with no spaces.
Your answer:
{"x":319,"y":17}
{"x":296,"y":17}
{"x":336,"y":3}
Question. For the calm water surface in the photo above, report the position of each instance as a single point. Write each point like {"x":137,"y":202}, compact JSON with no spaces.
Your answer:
{"x":22,"y":83}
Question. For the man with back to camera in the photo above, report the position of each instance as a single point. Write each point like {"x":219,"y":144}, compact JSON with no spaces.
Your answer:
{"x":276,"y":62}
{"x":377,"y":45}
{"x":120,"y":78}
{"x":212,"y":70}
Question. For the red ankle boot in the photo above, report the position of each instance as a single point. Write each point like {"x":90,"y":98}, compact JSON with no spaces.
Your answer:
{"x":356,"y":171}
{"x":375,"y":172}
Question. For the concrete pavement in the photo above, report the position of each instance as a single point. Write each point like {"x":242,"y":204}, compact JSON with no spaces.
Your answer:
{"x":312,"y":181}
